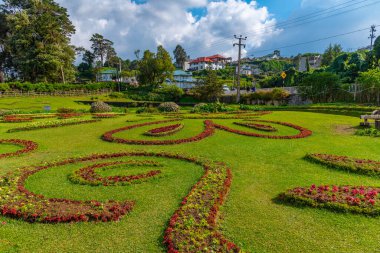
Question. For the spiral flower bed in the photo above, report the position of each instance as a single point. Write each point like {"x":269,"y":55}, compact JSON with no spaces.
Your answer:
{"x":208,"y":131}
{"x":52,"y":124}
{"x":356,"y":165}
{"x":192,"y":228}
{"x":303,"y":132}
{"x":88,"y":175}
{"x":165,"y":131}
{"x":355,"y":199}
{"x":260,"y":127}
{"x":28,"y":146}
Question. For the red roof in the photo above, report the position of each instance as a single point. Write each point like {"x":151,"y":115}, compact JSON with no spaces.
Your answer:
{"x":201,"y":59}
{"x":216,"y":56}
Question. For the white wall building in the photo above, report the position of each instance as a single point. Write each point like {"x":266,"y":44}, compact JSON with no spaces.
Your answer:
{"x":213,"y":62}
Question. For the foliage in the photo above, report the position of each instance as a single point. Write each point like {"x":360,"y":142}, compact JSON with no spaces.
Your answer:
{"x":50,"y":87}
{"x":331,"y":53}
{"x":65,"y":110}
{"x":100,"y":106}
{"x":370,"y":81}
{"x":210,"y":108}
{"x":320,"y":87}
{"x":38,"y":40}
{"x":168,"y":107}
{"x":376,"y":49}
{"x":155,"y":68}
{"x":210,"y":88}
{"x":102,"y":48}
{"x":277,"y":94}
{"x":169,"y":93}
{"x":368,"y":132}
{"x":146,"y":110}
{"x":180,"y":56}
{"x":275,"y":65}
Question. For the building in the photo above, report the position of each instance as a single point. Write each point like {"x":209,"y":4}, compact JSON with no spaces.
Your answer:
{"x":315,"y":62}
{"x":106,"y":75}
{"x":245,"y":70}
{"x":213,"y":62}
{"x":183,"y":80}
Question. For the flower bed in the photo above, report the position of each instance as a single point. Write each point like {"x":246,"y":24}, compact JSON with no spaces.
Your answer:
{"x":105,"y":115}
{"x":355,"y":199}
{"x":208,"y":131}
{"x":165,"y":131}
{"x":88,"y":175}
{"x":192,"y":228}
{"x":16,"y":119}
{"x":222,"y":115}
{"x":303,"y":132}
{"x":260,"y":127}
{"x":51,"y":124}
{"x":356,"y":165}
{"x":28,"y":146}
{"x":69,"y":115}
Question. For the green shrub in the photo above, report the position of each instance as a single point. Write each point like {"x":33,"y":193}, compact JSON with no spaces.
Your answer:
{"x":65,"y":110}
{"x":100,"y":106}
{"x":117,"y":95}
{"x":368,"y":132}
{"x":211,"y":108}
{"x":168,"y":107}
{"x":146,"y":110}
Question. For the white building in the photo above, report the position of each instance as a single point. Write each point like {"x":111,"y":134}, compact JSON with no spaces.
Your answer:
{"x":183,"y":80}
{"x":315,"y":62}
{"x":213,"y":62}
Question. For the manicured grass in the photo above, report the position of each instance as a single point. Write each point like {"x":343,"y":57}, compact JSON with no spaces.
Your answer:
{"x":261,"y":168}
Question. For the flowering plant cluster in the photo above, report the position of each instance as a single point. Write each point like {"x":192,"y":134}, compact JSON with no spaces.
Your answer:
{"x":356,"y":165}
{"x":355,"y":199}
{"x":165,"y":131}
{"x":303,"y":132}
{"x":16,"y":119}
{"x":28,"y":146}
{"x":208,"y":131}
{"x":88,"y":175}
{"x":261,"y":127}
{"x":52,"y":124}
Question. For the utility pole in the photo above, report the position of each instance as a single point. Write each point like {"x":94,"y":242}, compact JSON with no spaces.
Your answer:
{"x":372,"y":35}
{"x":240,"y":44}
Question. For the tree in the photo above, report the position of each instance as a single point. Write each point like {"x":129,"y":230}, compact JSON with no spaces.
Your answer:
{"x":370,"y":80}
{"x":102,"y":48}
{"x":376,"y":49}
{"x":320,"y":87}
{"x":38,"y":39}
{"x":331,"y":53}
{"x":180,"y":56}
{"x":210,"y":88}
{"x":155,"y":69}
{"x":137,"y":54}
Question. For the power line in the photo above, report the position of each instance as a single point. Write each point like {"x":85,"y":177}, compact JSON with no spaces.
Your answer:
{"x":240,"y":45}
{"x":313,"y":41}
{"x":288,"y":24}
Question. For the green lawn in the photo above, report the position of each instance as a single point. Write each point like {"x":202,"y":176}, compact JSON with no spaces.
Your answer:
{"x":262,"y":168}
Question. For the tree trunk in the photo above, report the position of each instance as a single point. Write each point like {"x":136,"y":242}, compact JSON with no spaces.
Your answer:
{"x":63,"y":75}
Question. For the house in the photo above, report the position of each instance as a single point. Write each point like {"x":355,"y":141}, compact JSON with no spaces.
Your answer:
{"x":245,"y":70}
{"x":315,"y":62}
{"x":183,"y":80}
{"x":106,"y":75}
{"x":213,"y":62}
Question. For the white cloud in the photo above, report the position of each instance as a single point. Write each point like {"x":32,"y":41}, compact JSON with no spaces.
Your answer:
{"x":143,"y":26}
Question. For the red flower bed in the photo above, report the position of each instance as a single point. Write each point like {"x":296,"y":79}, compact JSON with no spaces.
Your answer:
{"x":303,"y":131}
{"x":356,"y":165}
{"x":69,"y":115}
{"x":16,"y":119}
{"x":209,"y":130}
{"x":88,"y":175}
{"x":105,"y":115}
{"x":260,"y":127}
{"x":28,"y":146}
{"x":355,"y":199}
{"x":192,"y":228}
{"x":164,"y":131}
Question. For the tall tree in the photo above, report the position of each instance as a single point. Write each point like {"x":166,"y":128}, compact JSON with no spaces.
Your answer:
{"x":102,"y":48}
{"x":331,"y":53}
{"x":38,"y":40}
{"x":155,"y":69}
{"x":376,"y":49}
{"x":180,"y":56}
{"x":210,"y":89}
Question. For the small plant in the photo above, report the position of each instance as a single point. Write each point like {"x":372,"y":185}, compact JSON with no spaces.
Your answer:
{"x":168,"y":107}
{"x":100,"y":106}
{"x":368,"y":132}
{"x":65,"y":110}
{"x":146,"y":110}
{"x":211,"y":108}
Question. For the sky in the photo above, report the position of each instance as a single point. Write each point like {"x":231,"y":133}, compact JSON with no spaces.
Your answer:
{"x":207,"y":27}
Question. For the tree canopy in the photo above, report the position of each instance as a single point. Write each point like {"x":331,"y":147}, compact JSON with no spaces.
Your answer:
{"x":180,"y":56}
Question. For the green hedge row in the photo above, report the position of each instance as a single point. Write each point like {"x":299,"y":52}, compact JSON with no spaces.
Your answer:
{"x":51,"y":87}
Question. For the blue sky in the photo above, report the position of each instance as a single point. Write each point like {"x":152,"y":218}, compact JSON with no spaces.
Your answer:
{"x":206,"y":27}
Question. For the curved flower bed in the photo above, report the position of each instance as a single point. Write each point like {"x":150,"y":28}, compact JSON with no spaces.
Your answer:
{"x":260,"y":127}
{"x":165,"y":131}
{"x":28,"y":146}
{"x":88,"y":175}
{"x":303,"y":132}
{"x":52,"y":124}
{"x":16,"y":119}
{"x":105,"y":115}
{"x":69,"y":115}
{"x":355,"y":199}
{"x":356,"y":165}
{"x":192,"y":228}
{"x":208,"y":131}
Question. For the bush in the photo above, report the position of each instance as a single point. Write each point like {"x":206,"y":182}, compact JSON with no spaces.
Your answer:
{"x":100,"y":106}
{"x":117,"y":95}
{"x":65,"y":110}
{"x":168,"y":107}
{"x":368,"y":132}
{"x":146,"y":110}
{"x":275,"y":94}
{"x":211,"y":108}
